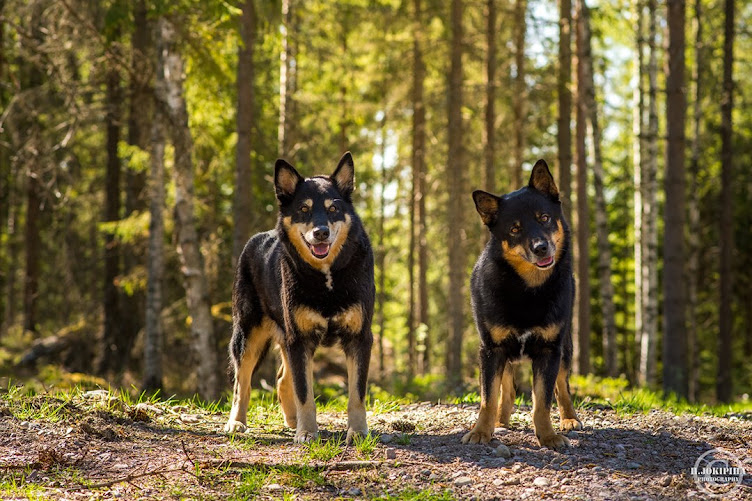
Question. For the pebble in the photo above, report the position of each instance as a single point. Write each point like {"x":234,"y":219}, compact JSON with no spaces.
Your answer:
{"x":541,"y":482}
{"x":386,"y":438}
{"x":96,"y":394}
{"x":434,"y":476}
{"x":143,"y":406}
{"x":189,"y":418}
{"x":460,"y":481}
{"x":354,"y":491}
{"x":573,"y":434}
{"x":502,"y":451}
{"x":633,"y":465}
{"x":274,"y":487}
{"x":426,"y":473}
{"x":497,"y":482}
{"x":665,"y":481}
{"x":516,"y":468}
{"x":391,"y":453}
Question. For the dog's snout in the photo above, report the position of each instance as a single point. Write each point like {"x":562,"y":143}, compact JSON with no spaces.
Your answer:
{"x":321,"y":232}
{"x":540,"y":247}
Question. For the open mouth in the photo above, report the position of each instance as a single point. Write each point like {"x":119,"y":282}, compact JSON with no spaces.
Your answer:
{"x":545,"y":262}
{"x":318,"y":250}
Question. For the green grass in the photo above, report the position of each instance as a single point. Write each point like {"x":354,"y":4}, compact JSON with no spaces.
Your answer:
{"x":251,"y":482}
{"x":403,"y":439}
{"x":297,"y":476}
{"x":417,"y":495}
{"x":366,"y":445}
{"x":323,"y":450}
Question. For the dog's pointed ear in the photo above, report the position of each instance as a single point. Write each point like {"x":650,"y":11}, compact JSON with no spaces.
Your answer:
{"x":344,"y":176}
{"x":487,"y":206}
{"x":542,"y":180}
{"x":286,"y":180}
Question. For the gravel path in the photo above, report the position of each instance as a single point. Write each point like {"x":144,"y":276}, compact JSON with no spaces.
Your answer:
{"x":163,"y":452}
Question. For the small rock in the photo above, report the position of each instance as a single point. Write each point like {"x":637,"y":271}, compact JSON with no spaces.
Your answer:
{"x":354,"y":491}
{"x":494,"y":443}
{"x":665,"y":481}
{"x":502,"y":451}
{"x":497,"y":482}
{"x":274,"y":487}
{"x":391,"y":453}
{"x":425,"y":473}
{"x":573,"y":434}
{"x":516,"y":468}
{"x":541,"y":482}
{"x":633,"y":465}
{"x":460,"y":481}
{"x":143,"y":406}
{"x":619,"y":448}
{"x":189,"y":418}
{"x":457,"y":474}
{"x":96,"y":394}
{"x":24,"y":424}
{"x":386,"y":438}
{"x":434,"y":476}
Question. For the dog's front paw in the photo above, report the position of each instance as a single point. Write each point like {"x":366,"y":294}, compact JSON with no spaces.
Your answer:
{"x":556,"y":442}
{"x":477,"y":436}
{"x":352,"y":434}
{"x":570,"y":424}
{"x":233,"y":426}
{"x":303,"y":436}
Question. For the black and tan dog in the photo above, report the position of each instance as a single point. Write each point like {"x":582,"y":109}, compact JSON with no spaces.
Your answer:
{"x":523,"y":292}
{"x":306,"y":283}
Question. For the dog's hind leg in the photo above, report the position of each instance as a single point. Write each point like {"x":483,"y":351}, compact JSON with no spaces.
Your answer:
{"x":506,"y":404}
{"x":358,"y":360}
{"x":286,"y":392}
{"x":246,"y":353}
{"x":567,"y":414}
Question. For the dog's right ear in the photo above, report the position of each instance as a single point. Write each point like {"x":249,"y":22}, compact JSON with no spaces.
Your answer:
{"x":286,"y":180}
{"x":487,"y":206}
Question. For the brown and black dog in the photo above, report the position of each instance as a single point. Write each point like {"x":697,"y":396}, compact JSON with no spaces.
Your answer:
{"x":522,"y":293}
{"x":306,"y":283}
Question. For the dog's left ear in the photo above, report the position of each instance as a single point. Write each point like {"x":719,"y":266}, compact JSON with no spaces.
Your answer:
{"x":344,"y":176}
{"x":542,"y":180}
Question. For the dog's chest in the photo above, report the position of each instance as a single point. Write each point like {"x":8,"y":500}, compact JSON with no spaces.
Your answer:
{"x":318,"y":322}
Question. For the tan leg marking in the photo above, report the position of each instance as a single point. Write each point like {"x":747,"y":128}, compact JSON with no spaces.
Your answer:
{"x":567,"y":414}
{"x":499,"y":332}
{"x":350,"y":319}
{"x":241,"y":391}
{"x":356,"y":409}
{"x":309,"y":320}
{"x":506,"y":403}
{"x":484,"y":427}
{"x":542,"y":419}
{"x":285,"y":391}
{"x":307,"y":429}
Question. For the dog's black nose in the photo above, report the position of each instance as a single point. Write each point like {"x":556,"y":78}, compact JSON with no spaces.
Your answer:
{"x":540,"y":248}
{"x":321,"y":233}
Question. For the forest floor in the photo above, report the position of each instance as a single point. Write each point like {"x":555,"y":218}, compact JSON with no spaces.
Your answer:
{"x":99,"y":445}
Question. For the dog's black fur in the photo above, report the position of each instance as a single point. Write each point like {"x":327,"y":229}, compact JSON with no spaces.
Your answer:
{"x":306,"y":283}
{"x":523,"y":293}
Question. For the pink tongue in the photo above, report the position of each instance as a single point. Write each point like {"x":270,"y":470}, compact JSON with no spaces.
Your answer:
{"x":546,"y":262}
{"x":320,"y":249}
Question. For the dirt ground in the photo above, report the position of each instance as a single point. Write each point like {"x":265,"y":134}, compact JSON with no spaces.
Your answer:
{"x":156,"y":451}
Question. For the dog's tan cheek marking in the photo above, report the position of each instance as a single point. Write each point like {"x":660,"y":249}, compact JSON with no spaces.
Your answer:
{"x":531,"y":274}
{"x":294,"y":233}
{"x":499,"y":332}
{"x":328,"y":203}
{"x":308,"y":320}
{"x":351,"y":319}
{"x":550,"y":332}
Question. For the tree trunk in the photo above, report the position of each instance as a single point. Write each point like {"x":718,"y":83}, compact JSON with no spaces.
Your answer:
{"x":286,"y":79}
{"x":564,"y":134}
{"x":153,"y":337}
{"x":639,"y":149}
{"x":674,"y":340}
{"x":110,"y":355}
{"x":172,"y":102}
{"x":581,"y":323}
{"x":610,"y":348}
{"x":419,"y":180}
{"x":489,"y":150}
{"x":724,"y":384}
{"x":693,"y":213}
{"x":139,"y":117}
{"x":519,"y":104}
{"x":242,"y":207}
{"x":649,"y":290}
{"x":455,"y":179}
{"x":381,"y":251}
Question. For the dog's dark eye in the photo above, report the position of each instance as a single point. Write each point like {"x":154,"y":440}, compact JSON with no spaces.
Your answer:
{"x":544,"y":218}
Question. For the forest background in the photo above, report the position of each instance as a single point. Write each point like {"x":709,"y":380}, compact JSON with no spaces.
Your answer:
{"x":137,"y":143}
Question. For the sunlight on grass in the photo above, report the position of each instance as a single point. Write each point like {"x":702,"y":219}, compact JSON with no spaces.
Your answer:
{"x":366,"y":445}
{"x":324,"y":450}
{"x":417,"y":495}
{"x":250,"y":484}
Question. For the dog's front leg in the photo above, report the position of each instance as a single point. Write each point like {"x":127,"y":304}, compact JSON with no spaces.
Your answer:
{"x":358,"y":359}
{"x":545,"y":371}
{"x":491,"y":364}
{"x":300,"y":357}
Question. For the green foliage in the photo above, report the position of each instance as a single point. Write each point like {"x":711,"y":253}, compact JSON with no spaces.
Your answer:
{"x":365,"y":445}
{"x":418,"y":495}
{"x":324,"y":450}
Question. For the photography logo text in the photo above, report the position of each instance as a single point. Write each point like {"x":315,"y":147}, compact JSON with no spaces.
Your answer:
{"x":718,"y":472}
